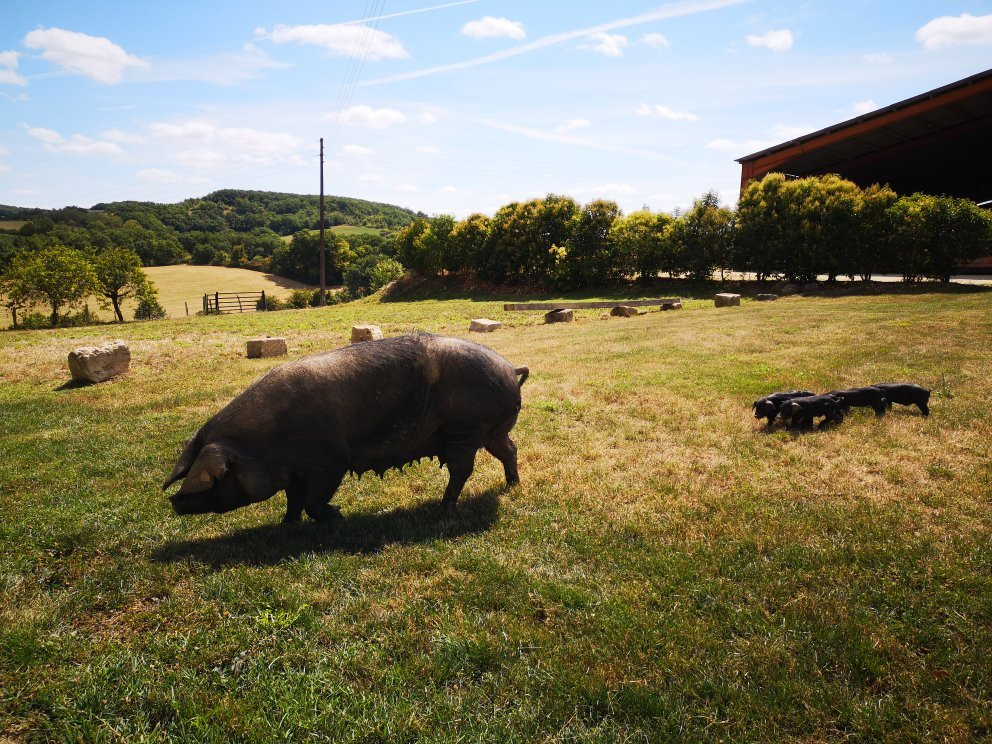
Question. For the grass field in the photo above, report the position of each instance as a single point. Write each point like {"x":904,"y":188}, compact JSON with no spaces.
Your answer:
{"x":12,"y":224}
{"x":178,"y":285}
{"x":667,"y":570}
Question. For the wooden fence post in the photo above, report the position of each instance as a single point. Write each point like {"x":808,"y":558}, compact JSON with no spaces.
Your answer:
{"x":264,"y":304}
{"x":217,"y":302}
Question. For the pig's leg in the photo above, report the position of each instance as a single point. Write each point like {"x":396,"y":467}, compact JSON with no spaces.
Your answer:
{"x":295,"y":497}
{"x":504,"y":450}
{"x":320,"y":489}
{"x":461,"y":461}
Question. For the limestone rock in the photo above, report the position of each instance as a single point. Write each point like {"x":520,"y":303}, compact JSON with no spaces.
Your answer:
{"x":99,"y":363}
{"x":365,"y":333}
{"x":766,"y":297}
{"x":671,"y":306}
{"x":484,"y":325}
{"x":559,"y":316}
{"x":259,"y":348}
{"x":726,"y":299}
{"x":623,"y":311}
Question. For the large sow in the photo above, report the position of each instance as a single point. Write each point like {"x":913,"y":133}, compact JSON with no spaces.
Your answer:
{"x":365,"y":407}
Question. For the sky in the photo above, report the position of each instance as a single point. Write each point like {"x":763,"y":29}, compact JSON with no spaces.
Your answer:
{"x":443,"y":106}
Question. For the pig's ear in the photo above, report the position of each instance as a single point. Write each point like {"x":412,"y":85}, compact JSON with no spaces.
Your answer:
{"x":209,"y":467}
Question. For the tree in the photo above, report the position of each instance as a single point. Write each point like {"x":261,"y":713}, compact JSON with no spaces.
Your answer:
{"x":872,"y":235}
{"x":57,"y":276}
{"x":702,"y":237}
{"x":119,"y":276}
{"x":641,"y":243}
{"x":467,"y":245}
{"x":12,"y":295}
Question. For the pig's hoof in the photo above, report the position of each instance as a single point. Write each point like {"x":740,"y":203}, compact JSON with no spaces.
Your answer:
{"x":291,"y":518}
{"x":325,"y":513}
{"x":449,"y":508}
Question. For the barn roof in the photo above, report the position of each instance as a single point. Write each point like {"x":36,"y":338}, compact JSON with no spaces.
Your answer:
{"x":939,"y":142}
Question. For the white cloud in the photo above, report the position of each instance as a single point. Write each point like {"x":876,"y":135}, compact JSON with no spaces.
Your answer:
{"x":357,"y":150}
{"x":568,"y":126}
{"x":95,"y":57}
{"x":370,"y":178}
{"x":8,"y":63}
{"x":427,"y":118}
{"x":955,"y":31}
{"x":489,"y":27}
{"x":428,"y":150}
{"x":12,"y":78}
{"x":356,"y":41}
{"x":609,"y":45}
{"x":778,"y":40}
{"x":126,"y":138}
{"x":877,"y":58}
{"x":665,"y":112}
{"x":658,"y":41}
{"x":224,"y":68}
{"x":569,"y":139}
{"x":200,"y":158}
{"x":448,"y":190}
{"x":405,"y":187}
{"x":258,"y":142}
{"x":4,"y":168}
{"x":159,"y":175}
{"x":189,"y":130}
{"x":864,"y":107}
{"x":49,"y":136}
{"x":789,"y":131}
{"x":366,"y":116}
{"x":78,"y":144}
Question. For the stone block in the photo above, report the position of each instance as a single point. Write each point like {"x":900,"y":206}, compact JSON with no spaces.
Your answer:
{"x":727,"y":299}
{"x":672,"y":306}
{"x":559,"y":316}
{"x":623,"y":311}
{"x":766,"y":297}
{"x":365,"y":332}
{"x":259,"y":348}
{"x":99,"y":363}
{"x":484,"y":325}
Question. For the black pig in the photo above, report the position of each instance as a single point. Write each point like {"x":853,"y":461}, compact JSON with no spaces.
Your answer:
{"x":366,"y":407}
{"x":799,"y":413}
{"x":906,"y":394}
{"x":768,"y":407}
{"x":862,"y":397}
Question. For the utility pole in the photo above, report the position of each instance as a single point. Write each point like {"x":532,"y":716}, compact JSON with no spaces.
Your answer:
{"x":323,"y":275}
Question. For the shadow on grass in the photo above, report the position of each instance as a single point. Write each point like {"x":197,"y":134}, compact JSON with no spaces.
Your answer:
{"x":74,"y":384}
{"x":364,"y":532}
{"x":475,"y":290}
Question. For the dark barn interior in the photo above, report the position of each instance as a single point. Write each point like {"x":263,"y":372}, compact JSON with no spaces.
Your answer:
{"x":939,"y":142}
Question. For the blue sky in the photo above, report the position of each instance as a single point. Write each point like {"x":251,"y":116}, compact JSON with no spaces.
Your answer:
{"x":449,"y":107}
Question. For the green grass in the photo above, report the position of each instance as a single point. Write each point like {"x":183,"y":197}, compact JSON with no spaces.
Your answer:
{"x":666,"y":571}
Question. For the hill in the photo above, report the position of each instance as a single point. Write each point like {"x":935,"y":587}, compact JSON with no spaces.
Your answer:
{"x":666,"y":571}
{"x":232,"y":209}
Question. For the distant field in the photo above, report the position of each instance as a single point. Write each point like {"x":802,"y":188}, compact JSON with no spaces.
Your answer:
{"x":12,"y":224}
{"x":355,"y":230}
{"x":178,"y":285}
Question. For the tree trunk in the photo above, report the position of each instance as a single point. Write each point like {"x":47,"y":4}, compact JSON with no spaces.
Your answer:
{"x":13,"y":317}
{"x":55,"y":315}
{"x":115,"y":301}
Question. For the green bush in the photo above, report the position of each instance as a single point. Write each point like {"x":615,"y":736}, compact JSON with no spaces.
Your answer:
{"x":370,"y":273}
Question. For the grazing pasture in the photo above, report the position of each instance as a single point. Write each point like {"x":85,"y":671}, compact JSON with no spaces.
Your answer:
{"x":180,"y":284}
{"x":667,"y":570}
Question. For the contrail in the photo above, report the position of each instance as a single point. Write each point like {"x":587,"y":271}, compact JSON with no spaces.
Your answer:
{"x":407,"y":12}
{"x":666,"y":11}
